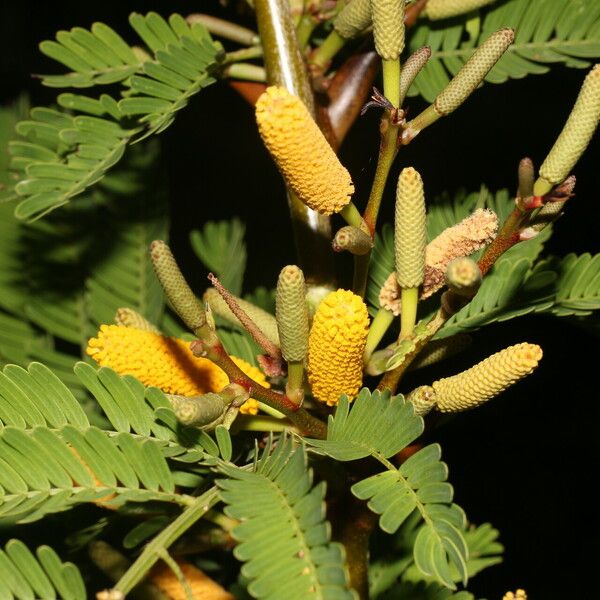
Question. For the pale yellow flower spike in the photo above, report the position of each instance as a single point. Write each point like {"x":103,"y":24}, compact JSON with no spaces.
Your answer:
{"x":487,"y":379}
{"x":336,"y":345}
{"x":202,"y":586}
{"x":164,"y":362}
{"x":305,"y":159}
{"x":354,"y":18}
{"x":444,"y":9}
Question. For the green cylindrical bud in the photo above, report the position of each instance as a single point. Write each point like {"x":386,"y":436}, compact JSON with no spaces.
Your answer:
{"x":130,"y":318}
{"x":473,"y":71}
{"x":410,"y":69}
{"x":353,"y":240}
{"x":439,"y":350}
{"x":195,"y":411}
{"x":292,"y":314}
{"x":463,"y":276}
{"x":552,"y":210}
{"x":353,"y":19}
{"x":410,"y":236}
{"x":176,"y":288}
{"x":526,"y":178}
{"x":577,"y":132}
{"x":423,"y":399}
{"x":388,"y":27}
{"x":265,"y":321}
{"x":444,"y":9}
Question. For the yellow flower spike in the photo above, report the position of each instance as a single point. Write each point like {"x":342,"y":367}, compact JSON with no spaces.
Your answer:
{"x":127,"y":317}
{"x":487,"y":379}
{"x":202,"y":586}
{"x":305,"y":159}
{"x":444,"y":9}
{"x":164,"y":362}
{"x":336,"y":345}
{"x":517,"y":595}
{"x":575,"y":136}
{"x":354,"y":18}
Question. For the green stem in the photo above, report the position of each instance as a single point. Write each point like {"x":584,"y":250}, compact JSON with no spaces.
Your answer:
{"x":152,"y":552}
{"x":225,"y":29}
{"x":172,"y":564}
{"x":271,"y":411}
{"x":380,"y":324}
{"x":322,"y":56}
{"x":260,"y":423}
{"x":246,"y":71}
{"x":304,"y":30}
{"x":422,"y":120}
{"x":243,"y":54}
{"x":387,"y":154}
{"x":351,"y":215}
{"x":391,"y":80}
{"x":294,"y":387}
{"x":408,"y":317}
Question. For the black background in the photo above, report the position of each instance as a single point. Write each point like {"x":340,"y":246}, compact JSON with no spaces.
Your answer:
{"x":527,"y":460}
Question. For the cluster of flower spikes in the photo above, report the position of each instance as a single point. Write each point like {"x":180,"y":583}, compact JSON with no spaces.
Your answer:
{"x":165,"y":362}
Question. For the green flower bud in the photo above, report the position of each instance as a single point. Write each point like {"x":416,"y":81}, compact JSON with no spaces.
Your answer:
{"x":410,"y":69}
{"x":463,"y":276}
{"x":576,"y":134}
{"x":388,"y":27}
{"x":443,"y":9}
{"x":265,"y":321}
{"x":423,"y":399}
{"x":197,"y":410}
{"x":292,"y":314}
{"x":526,"y":178}
{"x":176,"y":288}
{"x":353,"y":240}
{"x":127,"y":317}
{"x":410,"y":236}
{"x":473,"y":71}
{"x":354,"y":18}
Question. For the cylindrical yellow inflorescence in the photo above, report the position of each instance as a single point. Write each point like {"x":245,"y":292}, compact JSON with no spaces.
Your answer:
{"x":487,"y":379}
{"x":473,"y":71}
{"x":202,"y":586}
{"x":444,"y":9}
{"x":165,"y":362}
{"x":516,"y":595}
{"x":410,"y":236}
{"x":577,"y":132}
{"x":305,"y":159}
{"x":388,"y":27}
{"x":354,"y":18}
{"x":336,"y":345}
{"x":292,"y":314}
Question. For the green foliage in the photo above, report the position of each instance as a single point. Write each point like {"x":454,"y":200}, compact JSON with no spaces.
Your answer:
{"x":283,"y":538}
{"x":43,"y":575}
{"x":221,"y":247}
{"x":380,"y":425}
{"x":546,"y":31}
{"x":64,"y":152}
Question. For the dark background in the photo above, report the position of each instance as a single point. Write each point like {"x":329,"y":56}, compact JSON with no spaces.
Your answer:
{"x":526,"y":461}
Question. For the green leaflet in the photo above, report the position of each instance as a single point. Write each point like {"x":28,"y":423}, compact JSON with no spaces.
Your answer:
{"x":380,"y":426}
{"x":221,"y":247}
{"x":63,"y":153}
{"x":547,"y":31}
{"x":277,"y":497}
{"x":43,"y":575}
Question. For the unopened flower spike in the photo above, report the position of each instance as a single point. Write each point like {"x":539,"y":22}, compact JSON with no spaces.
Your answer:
{"x":487,"y":379}
{"x":388,"y":27}
{"x":575,"y":136}
{"x":303,"y":155}
{"x":127,"y":317}
{"x":463,"y":276}
{"x":292,"y":322}
{"x":353,"y":240}
{"x":335,"y":346}
{"x":198,"y":411}
{"x":353,"y":19}
{"x":263,"y":319}
{"x":516,"y":595}
{"x":410,"y":239}
{"x":422,"y":399}
{"x":464,"y":83}
{"x":164,"y":362}
{"x":176,"y":288}
{"x":526,"y":175}
{"x":552,"y":209}
{"x":444,"y":9}
{"x":411,"y":68}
